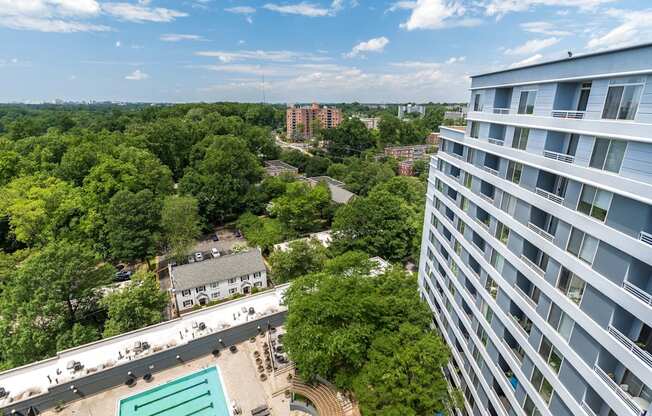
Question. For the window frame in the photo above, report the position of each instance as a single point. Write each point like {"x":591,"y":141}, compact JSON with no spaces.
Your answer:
{"x":624,"y":84}
{"x":592,"y":205}
{"x":520,"y":95}
{"x":606,"y":155}
{"x":581,"y":246}
{"x":518,"y":142}
{"x":514,"y":165}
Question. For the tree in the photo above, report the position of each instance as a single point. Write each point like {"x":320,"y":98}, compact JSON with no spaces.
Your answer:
{"x":262,"y":232}
{"x":301,"y":258}
{"x":77,"y":162}
{"x":403,"y":374}
{"x":136,"y":306}
{"x":362,"y":175}
{"x":316,"y":166}
{"x":180,"y":224}
{"x":350,"y":138}
{"x":302,"y":208}
{"x":132,"y":225}
{"x":333,"y":320}
{"x":221,"y":181}
{"x":381,"y":224}
{"x":43,"y":299}
{"x":349,"y":263}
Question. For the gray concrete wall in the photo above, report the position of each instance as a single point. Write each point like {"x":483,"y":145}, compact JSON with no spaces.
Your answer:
{"x":106,"y":379}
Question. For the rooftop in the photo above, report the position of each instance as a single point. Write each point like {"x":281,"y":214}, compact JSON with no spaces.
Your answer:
{"x":188,"y":276}
{"x":278,"y":164}
{"x":338,"y":193}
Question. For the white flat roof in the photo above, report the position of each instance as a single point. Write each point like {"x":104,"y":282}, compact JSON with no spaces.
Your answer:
{"x":167,"y":334}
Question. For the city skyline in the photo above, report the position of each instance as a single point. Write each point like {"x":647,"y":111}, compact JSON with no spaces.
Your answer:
{"x":203,"y":50}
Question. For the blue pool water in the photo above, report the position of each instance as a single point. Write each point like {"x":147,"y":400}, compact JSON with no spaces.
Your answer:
{"x":196,"y":394}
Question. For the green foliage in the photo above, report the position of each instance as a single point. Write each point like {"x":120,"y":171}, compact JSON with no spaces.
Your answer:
{"x":43,"y":299}
{"x":350,"y":138}
{"x":349,"y":263}
{"x":362,"y":175}
{"x":138,"y":305}
{"x":132,"y":225}
{"x":393,"y":131}
{"x":302,"y":208}
{"x":222,"y":179}
{"x":180,"y":224}
{"x":262,"y":232}
{"x":302,"y":257}
{"x":271,"y":187}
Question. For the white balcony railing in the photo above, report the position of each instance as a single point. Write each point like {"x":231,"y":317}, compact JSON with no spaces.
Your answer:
{"x":479,"y":221}
{"x":645,"y":356}
{"x":455,"y":155}
{"x":497,"y":110}
{"x":497,"y":142}
{"x":567,"y":114}
{"x":533,"y":265}
{"x":488,"y":198}
{"x":558,"y":156}
{"x":525,"y":295}
{"x":616,"y":388}
{"x":645,"y":237}
{"x":541,"y":232}
{"x":490,"y":170}
{"x":549,"y":195}
{"x":587,"y":409}
{"x":637,"y":292}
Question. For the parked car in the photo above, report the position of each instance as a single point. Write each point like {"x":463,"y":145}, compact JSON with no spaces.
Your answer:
{"x":199,"y":256}
{"x":215,"y":237}
{"x":216,"y":252}
{"x":122,"y":276}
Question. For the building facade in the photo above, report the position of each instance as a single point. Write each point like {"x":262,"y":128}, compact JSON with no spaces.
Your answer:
{"x":200,"y":282}
{"x":370,"y":123}
{"x":403,"y":110}
{"x":300,"y":121}
{"x":278,"y":168}
{"x":537,"y":242}
{"x":412,"y":152}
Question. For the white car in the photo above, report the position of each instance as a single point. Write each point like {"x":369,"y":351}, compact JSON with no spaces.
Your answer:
{"x":216,"y":252}
{"x":199,"y":256}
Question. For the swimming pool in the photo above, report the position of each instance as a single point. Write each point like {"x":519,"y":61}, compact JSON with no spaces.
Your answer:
{"x":196,"y":394}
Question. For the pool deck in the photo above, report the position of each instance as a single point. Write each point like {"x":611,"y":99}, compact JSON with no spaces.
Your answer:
{"x":239,"y":379}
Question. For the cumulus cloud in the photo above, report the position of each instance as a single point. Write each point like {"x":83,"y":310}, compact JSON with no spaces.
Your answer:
{"x":137,"y":75}
{"x":139,"y":13}
{"x":260,"y":55}
{"x":372,"y":45}
{"x":527,"y":61}
{"x":634,"y":28}
{"x":544,"y":28}
{"x":532,"y":46}
{"x":500,"y":8}
{"x":455,"y":59}
{"x":241,"y":10}
{"x":438,"y":14}
{"x":402,"y":5}
{"x":178,"y":37}
{"x":63,"y":16}
{"x":303,"y":8}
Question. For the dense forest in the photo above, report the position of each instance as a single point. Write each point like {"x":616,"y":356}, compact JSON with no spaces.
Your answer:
{"x":88,"y":188}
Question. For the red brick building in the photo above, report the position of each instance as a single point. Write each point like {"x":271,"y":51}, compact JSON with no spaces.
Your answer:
{"x":299,"y":120}
{"x":406,"y":168}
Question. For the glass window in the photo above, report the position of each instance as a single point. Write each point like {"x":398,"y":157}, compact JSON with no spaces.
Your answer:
{"x":529,"y":408}
{"x":514,"y":170}
{"x":520,"y":138}
{"x":497,"y":261}
{"x":622,"y":101}
{"x":475,"y":129}
{"x":560,"y":321}
{"x":508,"y":204}
{"x":571,"y":285}
{"x":594,"y":202}
{"x":526,"y":102}
{"x":608,"y":154}
{"x":502,"y":232}
{"x":185,"y":292}
{"x":468,"y":179}
{"x":492,"y":287}
{"x":582,"y":245}
{"x":551,"y":354}
{"x":477,"y":102}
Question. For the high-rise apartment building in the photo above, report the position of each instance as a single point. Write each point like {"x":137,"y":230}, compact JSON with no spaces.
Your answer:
{"x":537,"y":246}
{"x":300,"y":120}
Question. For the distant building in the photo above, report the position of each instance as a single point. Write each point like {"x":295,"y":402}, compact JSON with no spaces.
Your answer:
{"x":370,"y":122}
{"x":338,"y":193}
{"x":410,"y":109}
{"x":300,"y":120}
{"x":218,"y":278}
{"x":456,"y":112}
{"x":412,"y":152}
{"x":433,"y":139}
{"x":278,"y":167}
{"x":406,"y":168}
{"x":323,"y":237}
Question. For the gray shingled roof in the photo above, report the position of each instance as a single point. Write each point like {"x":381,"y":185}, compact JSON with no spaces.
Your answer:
{"x":201,"y":273}
{"x":338,"y":193}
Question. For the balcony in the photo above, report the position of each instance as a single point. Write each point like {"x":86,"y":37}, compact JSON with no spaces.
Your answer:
{"x":645,"y":237}
{"x":533,"y":265}
{"x":497,"y":142}
{"x":631,"y":346}
{"x":541,"y":232}
{"x":549,"y":195}
{"x":490,"y":170}
{"x":558,"y":156}
{"x":484,"y":223}
{"x":525,"y":295}
{"x":631,"y":404}
{"x":577,"y":115}
{"x":497,"y":110}
{"x":637,"y":292}
{"x":587,"y":409}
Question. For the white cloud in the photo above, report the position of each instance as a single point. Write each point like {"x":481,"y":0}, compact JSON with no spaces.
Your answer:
{"x":500,"y":8}
{"x":455,"y":59}
{"x":416,"y":65}
{"x":544,"y":28}
{"x":634,"y":28}
{"x":402,"y":5}
{"x":303,"y":8}
{"x":527,"y":61}
{"x":139,"y":13}
{"x":50,"y":15}
{"x":372,"y":45}
{"x":260,"y":55}
{"x":241,"y":10}
{"x":438,"y":14}
{"x":532,"y":46}
{"x":178,"y":37}
{"x":137,"y":75}
{"x":118,"y":44}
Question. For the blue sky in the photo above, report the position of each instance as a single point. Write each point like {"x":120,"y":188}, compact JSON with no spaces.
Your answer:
{"x":324,"y":50}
